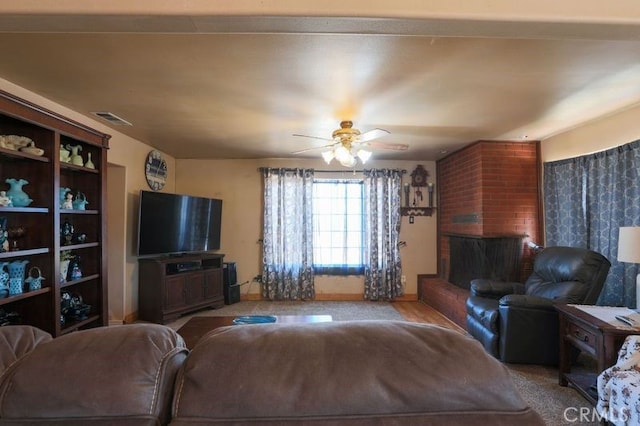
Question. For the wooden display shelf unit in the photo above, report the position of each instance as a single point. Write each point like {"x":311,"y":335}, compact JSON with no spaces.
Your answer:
{"x":42,"y":219}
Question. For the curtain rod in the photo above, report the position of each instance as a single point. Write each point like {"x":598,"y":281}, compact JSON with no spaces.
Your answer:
{"x":260,"y":169}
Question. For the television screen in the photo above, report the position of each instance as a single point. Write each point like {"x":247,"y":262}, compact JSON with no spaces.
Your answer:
{"x":174,"y":223}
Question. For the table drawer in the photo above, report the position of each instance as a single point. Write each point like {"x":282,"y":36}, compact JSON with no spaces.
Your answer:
{"x":582,"y":335}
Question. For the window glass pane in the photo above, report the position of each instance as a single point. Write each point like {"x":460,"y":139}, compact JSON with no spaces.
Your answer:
{"x":338,"y":226}
{"x":323,"y":207}
{"x":354,"y":222}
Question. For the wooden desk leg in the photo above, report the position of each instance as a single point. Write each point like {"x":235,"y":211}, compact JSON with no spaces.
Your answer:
{"x":607,"y":352}
{"x":564,"y":361}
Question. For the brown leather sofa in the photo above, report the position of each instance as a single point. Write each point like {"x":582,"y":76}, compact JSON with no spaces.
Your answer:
{"x":340,"y":373}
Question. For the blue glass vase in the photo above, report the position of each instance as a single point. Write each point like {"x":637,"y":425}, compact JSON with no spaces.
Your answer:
{"x":19,"y":198}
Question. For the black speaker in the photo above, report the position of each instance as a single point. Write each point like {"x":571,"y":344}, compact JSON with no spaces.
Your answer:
{"x":230,"y":275}
{"x":230,"y":280}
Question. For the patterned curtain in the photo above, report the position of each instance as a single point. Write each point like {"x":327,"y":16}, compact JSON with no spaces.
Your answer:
{"x":586,"y":200}
{"x":382,"y":265}
{"x":287,"y":267}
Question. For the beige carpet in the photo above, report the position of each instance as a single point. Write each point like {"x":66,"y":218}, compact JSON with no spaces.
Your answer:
{"x":537,"y":385}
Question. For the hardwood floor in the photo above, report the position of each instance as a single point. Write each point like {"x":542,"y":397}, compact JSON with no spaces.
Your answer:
{"x":421,"y":312}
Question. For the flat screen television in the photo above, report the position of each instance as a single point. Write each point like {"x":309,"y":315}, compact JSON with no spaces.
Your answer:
{"x":171,"y":224}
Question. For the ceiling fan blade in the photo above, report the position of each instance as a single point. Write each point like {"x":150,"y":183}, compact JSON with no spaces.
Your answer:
{"x":312,"y":148}
{"x":372,"y":134}
{"x":393,"y":146}
{"x":313,"y":137}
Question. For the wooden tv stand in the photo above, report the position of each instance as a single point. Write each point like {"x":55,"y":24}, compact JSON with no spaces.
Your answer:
{"x":170,"y":286}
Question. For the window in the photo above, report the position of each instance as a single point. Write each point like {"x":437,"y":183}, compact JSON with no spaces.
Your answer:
{"x":338,"y":226}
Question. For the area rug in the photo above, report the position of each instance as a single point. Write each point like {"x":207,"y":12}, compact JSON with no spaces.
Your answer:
{"x":537,"y":385}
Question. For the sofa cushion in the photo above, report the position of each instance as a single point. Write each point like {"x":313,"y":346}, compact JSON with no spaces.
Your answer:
{"x":355,"y":373}
{"x":17,"y":341}
{"x":112,"y":375}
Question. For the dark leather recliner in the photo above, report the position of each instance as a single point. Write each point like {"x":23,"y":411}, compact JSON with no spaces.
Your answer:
{"x":517,"y":323}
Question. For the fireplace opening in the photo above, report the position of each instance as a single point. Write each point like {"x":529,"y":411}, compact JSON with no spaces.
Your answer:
{"x":472,"y":257}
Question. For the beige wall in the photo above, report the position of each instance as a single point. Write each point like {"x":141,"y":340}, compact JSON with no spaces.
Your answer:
{"x":597,"y":135}
{"x":238,"y":183}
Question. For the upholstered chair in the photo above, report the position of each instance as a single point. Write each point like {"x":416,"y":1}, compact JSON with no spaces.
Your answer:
{"x":517,"y":323}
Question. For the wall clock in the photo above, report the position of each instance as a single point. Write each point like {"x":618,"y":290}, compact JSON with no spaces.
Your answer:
{"x":155,"y":170}
{"x":419,"y":176}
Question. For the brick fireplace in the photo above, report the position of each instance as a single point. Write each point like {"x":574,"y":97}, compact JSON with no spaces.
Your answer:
{"x":483,"y":257}
{"x":489,"y":206}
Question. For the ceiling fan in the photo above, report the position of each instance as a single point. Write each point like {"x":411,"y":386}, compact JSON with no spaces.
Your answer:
{"x":347,"y":144}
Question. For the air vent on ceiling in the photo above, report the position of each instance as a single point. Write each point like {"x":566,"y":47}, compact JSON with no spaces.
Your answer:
{"x":112,"y":118}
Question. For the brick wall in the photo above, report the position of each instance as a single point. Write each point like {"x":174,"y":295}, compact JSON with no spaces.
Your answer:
{"x":489,"y":188}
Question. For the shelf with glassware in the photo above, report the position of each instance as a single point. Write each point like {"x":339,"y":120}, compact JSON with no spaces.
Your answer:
{"x":25,"y":250}
{"x":82,"y":284}
{"x":33,"y":171}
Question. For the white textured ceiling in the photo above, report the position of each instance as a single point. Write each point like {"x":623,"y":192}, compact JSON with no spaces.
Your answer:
{"x":211,"y":86}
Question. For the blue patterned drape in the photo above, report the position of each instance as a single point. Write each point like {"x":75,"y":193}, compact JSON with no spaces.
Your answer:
{"x":382,"y":265}
{"x":586,"y":200}
{"x":287,"y":262}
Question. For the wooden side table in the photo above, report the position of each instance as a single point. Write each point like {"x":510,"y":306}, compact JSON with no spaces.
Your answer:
{"x":593,"y":335}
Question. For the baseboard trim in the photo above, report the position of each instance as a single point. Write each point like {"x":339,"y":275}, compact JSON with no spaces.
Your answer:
{"x":333,"y":297}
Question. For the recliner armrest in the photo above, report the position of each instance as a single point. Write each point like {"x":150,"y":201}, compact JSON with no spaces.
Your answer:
{"x":495,"y":289}
{"x":524,"y":301}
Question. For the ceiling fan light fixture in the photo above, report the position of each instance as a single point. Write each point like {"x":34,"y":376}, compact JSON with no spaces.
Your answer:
{"x":342,"y":154}
{"x":349,"y":161}
{"x":363,"y":155}
{"x":345,"y":156}
{"x":328,"y":156}
{"x":346,"y":143}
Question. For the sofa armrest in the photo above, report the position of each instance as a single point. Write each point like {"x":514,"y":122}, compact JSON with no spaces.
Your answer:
{"x":528,"y":330}
{"x":495,"y":289}
{"x":17,"y":341}
{"x":528,"y":302}
{"x":113,"y":375}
